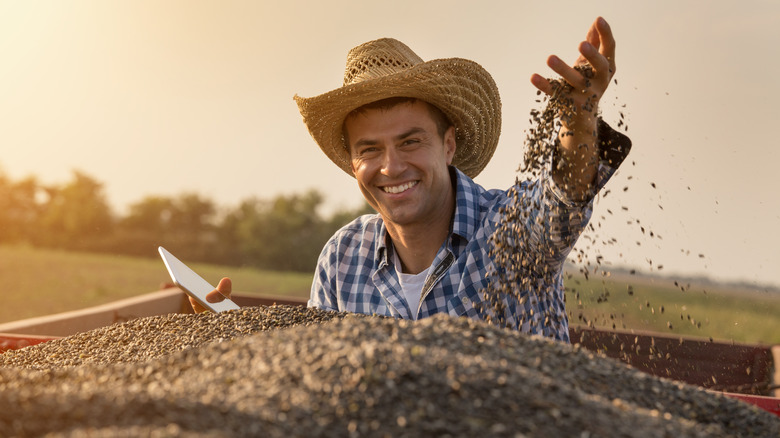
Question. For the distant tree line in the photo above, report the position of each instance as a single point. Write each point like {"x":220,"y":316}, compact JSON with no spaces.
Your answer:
{"x":284,"y":233}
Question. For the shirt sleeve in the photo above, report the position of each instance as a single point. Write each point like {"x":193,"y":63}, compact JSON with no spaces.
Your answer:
{"x":613,"y":147}
{"x":323,"y":287}
{"x":562,"y":219}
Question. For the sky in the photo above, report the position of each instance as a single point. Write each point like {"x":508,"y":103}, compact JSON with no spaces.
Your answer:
{"x":167,"y":97}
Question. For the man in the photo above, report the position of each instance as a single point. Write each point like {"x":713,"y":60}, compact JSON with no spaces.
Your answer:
{"x":413,"y":134}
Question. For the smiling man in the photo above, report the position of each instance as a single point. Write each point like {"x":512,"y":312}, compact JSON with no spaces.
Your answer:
{"x":413,"y":134}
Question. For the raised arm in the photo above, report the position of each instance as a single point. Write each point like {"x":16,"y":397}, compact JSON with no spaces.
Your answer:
{"x":577,"y":156}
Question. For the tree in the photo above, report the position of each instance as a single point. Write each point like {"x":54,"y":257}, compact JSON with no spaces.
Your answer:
{"x":20,"y":209}
{"x":185,"y":224}
{"x":145,"y":226}
{"x":76,"y":215}
{"x":193,"y":228}
{"x":286,"y":233}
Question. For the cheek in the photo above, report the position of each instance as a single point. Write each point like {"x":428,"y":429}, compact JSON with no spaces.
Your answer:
{"x":362,"y":172}
{"x":358,"y":167}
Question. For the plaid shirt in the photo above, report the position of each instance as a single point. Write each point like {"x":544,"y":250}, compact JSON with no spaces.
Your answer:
{"x":355,"y":272}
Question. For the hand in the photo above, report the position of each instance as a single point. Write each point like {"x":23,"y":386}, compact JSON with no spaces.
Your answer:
{"x":598,"y":49}
{"x":577,"y":156}
{"x":223,"y":290}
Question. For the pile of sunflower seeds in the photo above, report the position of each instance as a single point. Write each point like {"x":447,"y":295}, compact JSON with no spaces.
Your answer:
{"x":142,"y":339}
{"x":344,"y":375}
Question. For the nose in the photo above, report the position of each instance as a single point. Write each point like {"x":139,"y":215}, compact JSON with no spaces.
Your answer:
{"x":393,"y":163}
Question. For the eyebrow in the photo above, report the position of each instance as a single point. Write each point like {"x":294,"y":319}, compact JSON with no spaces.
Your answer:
{"x":409,"y":133}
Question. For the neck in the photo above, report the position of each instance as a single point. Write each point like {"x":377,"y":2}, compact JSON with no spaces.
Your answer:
{"x":418,"y":243}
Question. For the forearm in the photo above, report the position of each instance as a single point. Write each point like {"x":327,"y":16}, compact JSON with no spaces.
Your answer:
{"x":577,"y":157}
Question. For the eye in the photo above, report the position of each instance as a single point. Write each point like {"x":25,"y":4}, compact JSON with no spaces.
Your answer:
{"x":410,"y":141}
{"x":366,"y":151}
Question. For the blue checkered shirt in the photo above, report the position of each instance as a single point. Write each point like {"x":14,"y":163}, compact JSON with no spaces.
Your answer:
{"x":355,"y":271}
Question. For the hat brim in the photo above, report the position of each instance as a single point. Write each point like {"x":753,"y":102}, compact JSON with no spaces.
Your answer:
{"x":462,"y":89}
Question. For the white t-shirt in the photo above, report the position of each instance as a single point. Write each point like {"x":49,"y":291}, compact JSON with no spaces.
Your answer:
{"x":411,"y":284}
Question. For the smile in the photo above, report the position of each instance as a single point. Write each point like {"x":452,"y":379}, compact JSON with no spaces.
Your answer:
{"x":401,"y":188}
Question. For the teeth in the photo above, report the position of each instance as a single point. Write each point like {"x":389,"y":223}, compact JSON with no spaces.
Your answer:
{"x":401,"y":188}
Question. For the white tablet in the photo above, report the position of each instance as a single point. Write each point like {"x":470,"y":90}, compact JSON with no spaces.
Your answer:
{"x":193,"y":284}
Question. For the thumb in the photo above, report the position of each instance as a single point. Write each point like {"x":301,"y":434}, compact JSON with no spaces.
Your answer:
{"x":225,"y":287}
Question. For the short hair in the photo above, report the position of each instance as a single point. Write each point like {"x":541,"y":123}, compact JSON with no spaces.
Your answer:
{"x":439,"y":118}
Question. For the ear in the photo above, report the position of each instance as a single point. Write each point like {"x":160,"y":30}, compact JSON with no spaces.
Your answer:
{"x":449,"y":144}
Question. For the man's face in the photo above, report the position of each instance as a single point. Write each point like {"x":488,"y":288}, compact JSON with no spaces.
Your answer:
{"x":400,"y":162}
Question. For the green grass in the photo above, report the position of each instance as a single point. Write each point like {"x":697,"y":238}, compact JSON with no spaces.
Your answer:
{"x":40,"y":281}
{"x":706,"y":311}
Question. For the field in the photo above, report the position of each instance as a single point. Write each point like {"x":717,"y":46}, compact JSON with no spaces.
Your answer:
{"x":40,"y":282}
{"x":726,"y":313}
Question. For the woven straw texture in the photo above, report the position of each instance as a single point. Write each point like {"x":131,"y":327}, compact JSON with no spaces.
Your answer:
{"x":385,"y":68}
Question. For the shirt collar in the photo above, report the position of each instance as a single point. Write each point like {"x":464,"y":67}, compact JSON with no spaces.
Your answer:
{"x":464,"y":222}
{"x":380,"y":254}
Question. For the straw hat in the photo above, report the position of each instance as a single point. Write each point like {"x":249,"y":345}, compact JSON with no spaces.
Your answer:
{"x":385,"y":68}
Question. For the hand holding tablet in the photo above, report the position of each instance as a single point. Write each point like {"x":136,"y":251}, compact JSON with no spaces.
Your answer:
{"x":193,"y":284}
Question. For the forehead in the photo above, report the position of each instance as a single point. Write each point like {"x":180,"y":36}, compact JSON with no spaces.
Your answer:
{"x":366,"y":121}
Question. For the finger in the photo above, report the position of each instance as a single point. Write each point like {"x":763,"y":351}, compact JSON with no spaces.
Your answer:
{"x":542,"y":84}
{"x":225,"y":287}
{"x":593,"y":36}
{"x":591,"y":54}
{"x":214,"y":297}
{"x":196,"y":307}
{"x":222,"y":291}
{"x":607,"y":39}
{"x":567,"y":72}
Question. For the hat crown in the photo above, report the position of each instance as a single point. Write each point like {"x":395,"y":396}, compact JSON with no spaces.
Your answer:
{"x":378,"y":58}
